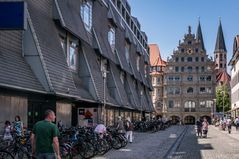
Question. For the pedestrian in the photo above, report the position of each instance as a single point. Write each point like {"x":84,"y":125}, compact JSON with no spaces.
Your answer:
{"x":129,"y":130}
{"x":100,"y":129}
{"x":44,"y":138}
{"x":7,"y":131}
{"x":120,"y":125}
{"x":205,"y":127}
{"x":60,"y":125}
{"x":199,"y":127}
{"x":229,"y":124}
{"x":18,"y":126}
{"x":236,"y":122}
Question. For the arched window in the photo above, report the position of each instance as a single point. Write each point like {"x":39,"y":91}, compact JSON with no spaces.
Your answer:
{"x":189,"y":106}
{"x":190,"y":69}
{"x":190,"y":90}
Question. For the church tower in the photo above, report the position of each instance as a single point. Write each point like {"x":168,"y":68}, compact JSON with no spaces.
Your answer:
{"x":220,"y":52}
{"x":220,"y":55}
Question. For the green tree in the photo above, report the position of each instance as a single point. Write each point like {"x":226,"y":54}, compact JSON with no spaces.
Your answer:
{"x":222,"y":98}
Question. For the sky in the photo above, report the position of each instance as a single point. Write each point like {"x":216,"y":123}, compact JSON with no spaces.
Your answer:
{"x":166,"y":21}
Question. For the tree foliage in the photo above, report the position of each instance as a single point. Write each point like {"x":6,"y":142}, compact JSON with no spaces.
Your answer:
{"x":222,"y":98}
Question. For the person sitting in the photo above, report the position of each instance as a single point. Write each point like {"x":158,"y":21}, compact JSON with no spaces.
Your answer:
{"x":7,"y":131}
{"x":100,"y":129}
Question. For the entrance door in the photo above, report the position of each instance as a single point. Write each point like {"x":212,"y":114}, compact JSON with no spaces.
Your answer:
{"x":189,"y":120}
{"x":36,"y":110}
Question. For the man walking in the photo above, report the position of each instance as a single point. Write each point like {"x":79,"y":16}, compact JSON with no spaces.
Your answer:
{"x":44,"y":138}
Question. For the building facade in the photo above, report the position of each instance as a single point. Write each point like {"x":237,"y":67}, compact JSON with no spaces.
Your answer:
{"x":157,"y":68}
{"x":87,"y":60}
{"x":190,"y":80}
{"x":235,"y":78}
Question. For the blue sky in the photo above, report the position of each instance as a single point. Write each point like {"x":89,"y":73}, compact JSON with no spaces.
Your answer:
{"x":166,"y":21}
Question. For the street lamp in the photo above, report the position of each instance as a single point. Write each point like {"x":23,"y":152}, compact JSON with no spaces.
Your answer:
{"x":103,"y":113}
{"x":141,"y":113}
{"x":223,"y":111}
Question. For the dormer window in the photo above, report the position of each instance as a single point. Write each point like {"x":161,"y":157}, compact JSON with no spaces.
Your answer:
{"x":86,"y":14}
{"x":127,"y":47}
{"x":122,"y":76}
{"x":73,"y":49}
{"x":111,"y":38}
{"x":137,"y":62}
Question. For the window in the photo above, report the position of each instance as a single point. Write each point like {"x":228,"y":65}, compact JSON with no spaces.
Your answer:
{"x":190,"y":78}
{"x":209,"y":90}
{"x":182,"y":50}
{"x":196,"y":59}
{"x":170,"y":103}
{"x":137,"y":62}
{"x":177,"y":78}
{"x":170,"y":78}
{"x":209,"y":78}
{"x":111,"y":38}
{"x":72,"y":55}
{"x":202,"y":104}
{"x":182,"y":69}
{"x":220,"y":65}
{"x":86,"y":14}
{"x":63,"y":43}
{"x":145,"y":70}
{"x":189,"y":106}
{"x":190,"y":90}
{"x":176,"y":59}
{"x":202,"y":90}
{"x":158,"y":81}
{"x":127,"y":47}
{"x":122,"y":76}
{"x":158,"y":68}
{"x":190,"y":69}
{"x":170,"y":90}
{"x":202,"y":69}
{"x":202,"y":78}
{"x":197,"y":68}
{"x":189,"y":42}
{"x":176,"y":69}
{"x":182,"y":59}
{"x":189,"y":59}
{"x":202,"y":59}
{"x":134,"y":83}
{"x":177,"y":104}
{"x":158,"y":92}
{"x":209,"y":103}
{"x":196,"y":50}
{"x":177,"y":90}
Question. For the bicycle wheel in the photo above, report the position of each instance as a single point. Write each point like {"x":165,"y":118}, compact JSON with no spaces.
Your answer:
{"x":22,"y":154}
{"x":86,"y":150}
{"x":5,"y":155}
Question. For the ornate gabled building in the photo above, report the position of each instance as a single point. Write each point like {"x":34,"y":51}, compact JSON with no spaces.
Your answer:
{"x":220,"y":56}
{"x":87,"y":60}
{"x":157,"y":66}
{"x":189,"y":81}
{"x":234,"y":63}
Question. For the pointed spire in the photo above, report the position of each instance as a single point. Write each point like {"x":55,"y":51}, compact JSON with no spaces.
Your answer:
{"x":199,"y":35}
{"x":220,"y":43}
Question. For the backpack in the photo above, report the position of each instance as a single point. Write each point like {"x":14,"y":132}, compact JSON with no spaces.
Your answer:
{"x":130,"y":127}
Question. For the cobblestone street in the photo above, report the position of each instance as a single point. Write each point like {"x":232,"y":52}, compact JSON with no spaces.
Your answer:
{"x":219,"y":145}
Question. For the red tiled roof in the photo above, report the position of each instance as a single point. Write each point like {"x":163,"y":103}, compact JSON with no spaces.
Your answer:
{"x":155,"y":57}
{"x":223,"y":76}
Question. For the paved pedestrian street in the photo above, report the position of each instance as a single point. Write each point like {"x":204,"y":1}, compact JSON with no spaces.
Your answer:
{"x":179,"y":142}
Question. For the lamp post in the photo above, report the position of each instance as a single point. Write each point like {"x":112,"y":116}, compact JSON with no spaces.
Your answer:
{"x":223,"y":111}
{"x":141,"y":113}
{"x":103,"y":113}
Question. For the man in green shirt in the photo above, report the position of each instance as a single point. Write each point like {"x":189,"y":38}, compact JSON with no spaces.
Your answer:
{"x":44,"y":138}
